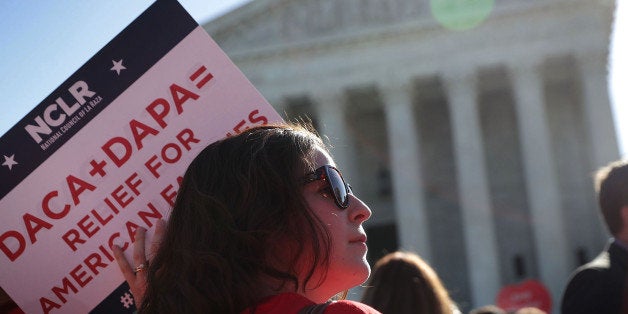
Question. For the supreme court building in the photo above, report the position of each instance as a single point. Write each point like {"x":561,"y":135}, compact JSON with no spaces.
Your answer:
{"x":474,"y":145}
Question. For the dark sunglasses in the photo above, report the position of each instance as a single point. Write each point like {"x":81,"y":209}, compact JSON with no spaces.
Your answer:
{"x":340,"y":188}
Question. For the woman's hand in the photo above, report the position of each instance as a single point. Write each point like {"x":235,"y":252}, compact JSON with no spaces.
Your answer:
{"x":136,"y":276}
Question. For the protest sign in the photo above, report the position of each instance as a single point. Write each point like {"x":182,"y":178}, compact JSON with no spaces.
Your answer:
{"x":528,"y":293}
{"x":102,"y":155}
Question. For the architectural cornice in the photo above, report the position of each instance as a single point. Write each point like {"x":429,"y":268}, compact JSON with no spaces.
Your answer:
{"x":379,"y":34}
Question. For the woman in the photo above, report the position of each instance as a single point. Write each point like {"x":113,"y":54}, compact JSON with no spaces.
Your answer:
{"x":263,"y":223}
{"x":7,"y":305}
{"x":403,"y":282}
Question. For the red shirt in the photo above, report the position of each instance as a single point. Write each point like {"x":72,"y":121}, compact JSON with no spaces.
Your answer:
{"x":292,"y":303}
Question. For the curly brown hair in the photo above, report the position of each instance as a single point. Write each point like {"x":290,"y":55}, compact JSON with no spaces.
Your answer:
{"x":239,"y":210}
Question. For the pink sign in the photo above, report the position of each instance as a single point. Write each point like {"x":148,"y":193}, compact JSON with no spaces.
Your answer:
{"x":103,"y":155}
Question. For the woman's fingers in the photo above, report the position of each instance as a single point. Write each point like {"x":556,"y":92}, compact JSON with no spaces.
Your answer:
{"x":125,"y":267}
{"x":134,"y":275}
{"x":139,"y":248}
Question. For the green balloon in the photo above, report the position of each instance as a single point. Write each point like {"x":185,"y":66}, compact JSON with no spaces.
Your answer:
{"x":461,"y":14}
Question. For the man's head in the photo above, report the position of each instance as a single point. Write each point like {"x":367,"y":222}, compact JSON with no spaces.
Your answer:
{"x":611,"y":185}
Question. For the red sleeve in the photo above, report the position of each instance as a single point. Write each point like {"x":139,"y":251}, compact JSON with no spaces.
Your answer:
{"x":350,"y":307}
{"x":16,"y":310}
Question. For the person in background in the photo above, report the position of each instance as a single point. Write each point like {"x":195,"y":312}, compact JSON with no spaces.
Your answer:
{"x":403,"y":283}
{"x":529,"y":310}
{"x":263,"y":223}
{"x":493,"y":309}
{"x":601,"y":285}
{"x":488,"y":309}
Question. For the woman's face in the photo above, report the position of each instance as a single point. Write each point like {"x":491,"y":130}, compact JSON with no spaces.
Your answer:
{"x":348,"y":266}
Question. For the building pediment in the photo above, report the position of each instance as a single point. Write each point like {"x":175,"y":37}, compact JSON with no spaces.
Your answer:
{"x":264,"y":23}
{"x":261,"y":24}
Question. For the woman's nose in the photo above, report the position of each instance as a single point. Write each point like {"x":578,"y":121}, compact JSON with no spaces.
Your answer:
{"x":360,"y":212}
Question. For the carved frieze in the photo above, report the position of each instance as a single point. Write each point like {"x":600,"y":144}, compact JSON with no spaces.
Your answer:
{"x":289,"y":21}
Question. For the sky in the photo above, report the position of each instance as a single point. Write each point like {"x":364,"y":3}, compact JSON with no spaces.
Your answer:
{"x":44,"y":42}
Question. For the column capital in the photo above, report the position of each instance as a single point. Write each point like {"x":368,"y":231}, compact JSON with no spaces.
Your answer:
{"x":329,"y":97}
{"x":460,"y":81}
{"x":459,"y":74}
{"x":395,"y":85}
{"x":529,"y":65}
{"x":396,"y":95}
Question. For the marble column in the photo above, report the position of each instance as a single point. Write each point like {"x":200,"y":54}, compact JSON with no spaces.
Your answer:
{"x":330,"y":106}
{"x":597,"y":109}
{"x":405,"y":165}
{"x":479,"y":230}
{"x":541,"y":182}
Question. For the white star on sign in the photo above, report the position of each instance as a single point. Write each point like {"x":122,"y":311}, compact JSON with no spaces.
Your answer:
{"x":9,"y":162}
{"x":117,"y":66}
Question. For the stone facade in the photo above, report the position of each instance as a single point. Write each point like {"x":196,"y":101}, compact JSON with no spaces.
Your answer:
{"x":474,"y":148}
